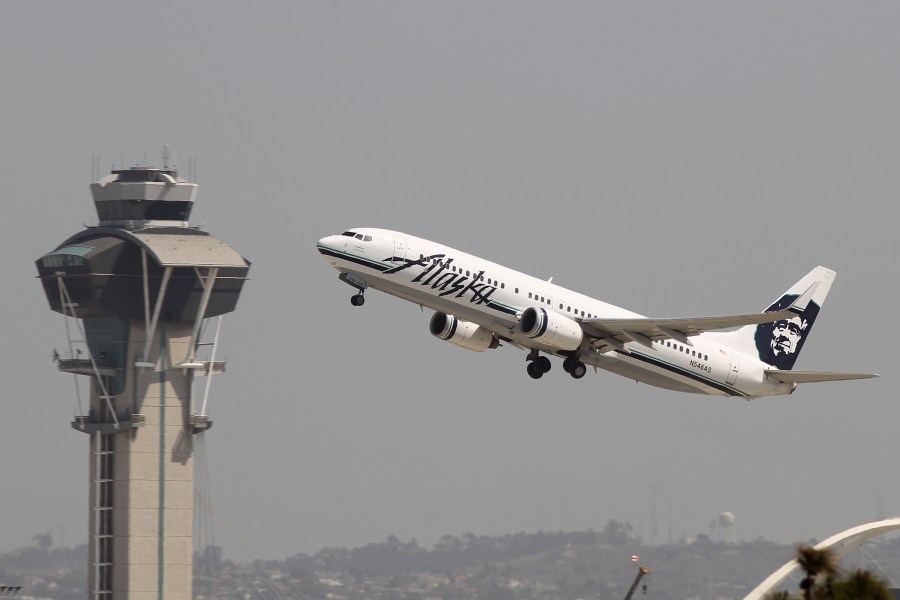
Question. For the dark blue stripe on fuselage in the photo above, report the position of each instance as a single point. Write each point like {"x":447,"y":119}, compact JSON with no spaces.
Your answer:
{"x":381,"y":267}
{"x":372,"y":264}
{"x":679,"y":371}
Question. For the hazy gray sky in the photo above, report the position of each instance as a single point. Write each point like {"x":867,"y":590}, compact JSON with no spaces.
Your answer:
{"x":677,"y":159}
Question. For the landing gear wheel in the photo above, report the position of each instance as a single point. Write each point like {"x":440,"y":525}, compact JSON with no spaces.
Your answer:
{"x":543,"y":363}
{"x":357,"y":300}
{"x":578,"y":370}
{"x":568,"y":362}
{"x":534,"y":371}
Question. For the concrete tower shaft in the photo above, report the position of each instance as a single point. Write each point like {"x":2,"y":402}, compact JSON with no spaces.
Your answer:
{"x":140,"y":287}
{"x":142,"y":473}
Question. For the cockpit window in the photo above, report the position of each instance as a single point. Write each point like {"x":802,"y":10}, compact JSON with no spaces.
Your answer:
{"x":358,"y":236}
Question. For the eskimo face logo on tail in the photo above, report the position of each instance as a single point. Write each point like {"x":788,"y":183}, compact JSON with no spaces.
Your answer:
{"x":780,"y":342}
{"x":437,"y":274}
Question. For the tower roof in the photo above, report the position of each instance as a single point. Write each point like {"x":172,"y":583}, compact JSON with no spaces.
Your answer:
{"x":173,"y":247}
{"x":143,"y":196}
{"x":105,"y":271}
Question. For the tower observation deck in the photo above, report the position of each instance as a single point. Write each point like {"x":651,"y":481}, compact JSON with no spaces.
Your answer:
{"x":141,"y":287}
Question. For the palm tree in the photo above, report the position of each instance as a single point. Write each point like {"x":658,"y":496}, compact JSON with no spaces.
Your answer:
{"x":823,"y":580}
{"x":815,"y":563}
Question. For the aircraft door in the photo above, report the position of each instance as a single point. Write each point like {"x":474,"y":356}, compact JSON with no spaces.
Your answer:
{"x":399,"y":248}
{"x":735,"y":368}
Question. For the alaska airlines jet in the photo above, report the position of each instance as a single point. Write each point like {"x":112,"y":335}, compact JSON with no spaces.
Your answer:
{"x":479,"y":304}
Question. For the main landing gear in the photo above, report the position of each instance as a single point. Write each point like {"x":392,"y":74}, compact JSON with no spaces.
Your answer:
{"x":357,"y":299}
{"x":574,"y":367}
{"x":538,"y":365}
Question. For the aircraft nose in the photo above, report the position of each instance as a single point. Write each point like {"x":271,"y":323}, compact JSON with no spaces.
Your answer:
{"x":325,"y":243}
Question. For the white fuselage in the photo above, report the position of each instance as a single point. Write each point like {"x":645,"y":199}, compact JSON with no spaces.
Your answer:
{"x":473,"y":289}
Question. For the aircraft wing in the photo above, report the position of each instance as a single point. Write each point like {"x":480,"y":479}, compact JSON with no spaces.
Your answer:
{"x":664,"y":328}
{"x":616,"y":332}
{"x":814,"y":376}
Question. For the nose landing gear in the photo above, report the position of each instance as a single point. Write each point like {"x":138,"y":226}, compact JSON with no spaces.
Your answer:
{"x":357,"y":299}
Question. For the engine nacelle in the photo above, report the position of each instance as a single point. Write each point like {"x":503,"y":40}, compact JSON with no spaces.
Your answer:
{"x":464,"y":334}
{"x":551,"y":329}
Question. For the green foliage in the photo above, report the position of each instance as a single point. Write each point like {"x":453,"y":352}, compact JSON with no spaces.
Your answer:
{"x":861,"y":585}
{"x":617,"y":533}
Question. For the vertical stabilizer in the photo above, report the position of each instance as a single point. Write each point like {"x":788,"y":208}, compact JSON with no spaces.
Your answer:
{"x":778,"y":344}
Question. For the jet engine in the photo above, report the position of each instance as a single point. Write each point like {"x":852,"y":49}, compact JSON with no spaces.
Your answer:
{"x":551,"y":329}
{"x":464,"y":334}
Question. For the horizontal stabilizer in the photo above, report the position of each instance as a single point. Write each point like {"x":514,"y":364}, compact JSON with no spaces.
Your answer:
{"x":814,"y":376}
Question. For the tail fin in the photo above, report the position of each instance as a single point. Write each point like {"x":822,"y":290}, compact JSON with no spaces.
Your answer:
{"x":778,"y":344}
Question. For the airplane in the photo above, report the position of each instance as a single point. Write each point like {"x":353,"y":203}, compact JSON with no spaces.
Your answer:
{"x":479,"y":305}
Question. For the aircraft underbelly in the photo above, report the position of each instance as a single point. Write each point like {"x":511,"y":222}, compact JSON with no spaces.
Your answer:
{"x":503,"y":325}
{"x":649,"y":376}
{"x":478,"y":314}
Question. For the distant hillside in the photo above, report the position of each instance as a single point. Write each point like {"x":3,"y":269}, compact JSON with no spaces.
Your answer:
{"x":587,"y":565}
{"x":560,"y":565}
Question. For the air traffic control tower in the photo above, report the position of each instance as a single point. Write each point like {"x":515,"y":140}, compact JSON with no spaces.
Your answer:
{"x":137,"y":291}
